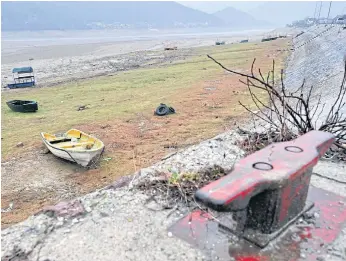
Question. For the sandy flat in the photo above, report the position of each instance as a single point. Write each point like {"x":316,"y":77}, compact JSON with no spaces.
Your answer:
{"x":64,"y":56}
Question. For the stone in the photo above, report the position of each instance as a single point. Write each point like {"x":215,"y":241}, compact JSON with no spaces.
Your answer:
{"x":45,"y":151}
{"x":122,"y":182}
{"x":59,"y":224}
{"x":20,"y":144}
{"x":296,"y":238}
{"x":104,"y":214}
{"x":65,"y":209}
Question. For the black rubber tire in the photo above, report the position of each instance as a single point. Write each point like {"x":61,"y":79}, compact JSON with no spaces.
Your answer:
{"x":162,"y":110}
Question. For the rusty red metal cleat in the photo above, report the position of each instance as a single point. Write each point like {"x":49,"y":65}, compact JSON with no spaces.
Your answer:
{"x":258,"y":201}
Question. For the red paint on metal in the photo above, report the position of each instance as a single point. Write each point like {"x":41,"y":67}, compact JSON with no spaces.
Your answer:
{"x":306,"y":233}
{"x":329,"y":223}
{"x":284,"y":189}
{"x":287,"y":177}
{"x":287,"y":196}
{"x":245,"y":181}
{"x":334,"y":215}
{"x":251,"y":258}
{"x":199,"y":216}
{"x":194,"y":221}
{"x":285,"y":202}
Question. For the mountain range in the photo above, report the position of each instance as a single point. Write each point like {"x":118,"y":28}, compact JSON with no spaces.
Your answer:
{"x":234,"y":17}
{"x":20,"y":16}
{"x":278,"y":13}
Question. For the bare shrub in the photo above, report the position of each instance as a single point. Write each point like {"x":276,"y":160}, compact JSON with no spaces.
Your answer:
{"x":290,"y":113}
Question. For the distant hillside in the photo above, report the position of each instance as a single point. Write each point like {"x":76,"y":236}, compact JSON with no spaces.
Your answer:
{"x":87,"y":15}
{"x":282,"y":13}
{"x":239,"y":19}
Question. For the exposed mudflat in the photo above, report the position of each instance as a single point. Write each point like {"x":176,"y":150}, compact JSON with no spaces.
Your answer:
{"x":66,"y":56}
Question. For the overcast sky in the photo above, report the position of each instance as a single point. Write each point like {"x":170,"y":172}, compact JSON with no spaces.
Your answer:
{"x":213,"y":6}
{"x":275,"y":12}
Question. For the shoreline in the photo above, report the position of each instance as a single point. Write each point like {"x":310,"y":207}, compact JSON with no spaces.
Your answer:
{"x":14,"y":40}
{"x":56,"y":64}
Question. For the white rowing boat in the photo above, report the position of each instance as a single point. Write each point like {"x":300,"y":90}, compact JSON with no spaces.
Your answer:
{"x":74,"y":145}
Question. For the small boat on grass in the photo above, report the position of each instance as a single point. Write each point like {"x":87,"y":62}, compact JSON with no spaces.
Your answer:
{"x":75,"y":146}
{"x":220,"y":43}
{"x":171,"y":48}
{"x":22,"y":106}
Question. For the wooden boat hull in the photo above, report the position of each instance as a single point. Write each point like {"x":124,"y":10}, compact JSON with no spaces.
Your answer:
{"x":22,"y":106}
{"x":74,"y":151}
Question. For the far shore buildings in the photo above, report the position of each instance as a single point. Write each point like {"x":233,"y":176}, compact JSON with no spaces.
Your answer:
{"x":339,"y":19}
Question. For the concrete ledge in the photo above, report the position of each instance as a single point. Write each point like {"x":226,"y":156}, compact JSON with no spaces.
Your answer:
{"x":118,"y":227}
{"x":333,"y":170}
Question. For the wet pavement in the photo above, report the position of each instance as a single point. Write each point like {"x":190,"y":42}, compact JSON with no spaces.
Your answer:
{"x":309,"y":238}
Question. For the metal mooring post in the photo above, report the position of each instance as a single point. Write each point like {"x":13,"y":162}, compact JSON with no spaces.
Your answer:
{"x":264,"y":195}
{"x":269,"y":188}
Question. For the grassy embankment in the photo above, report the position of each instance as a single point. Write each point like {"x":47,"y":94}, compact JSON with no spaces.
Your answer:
{"x":123,"y":95}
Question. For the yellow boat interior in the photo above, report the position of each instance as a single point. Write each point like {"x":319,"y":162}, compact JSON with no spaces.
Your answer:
{"x":73,"y":140}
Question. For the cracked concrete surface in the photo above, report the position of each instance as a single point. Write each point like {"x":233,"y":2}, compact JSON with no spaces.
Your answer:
{"x":117,"y":226}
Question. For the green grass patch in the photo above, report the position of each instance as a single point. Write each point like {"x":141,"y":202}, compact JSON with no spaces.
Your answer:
{"x":110,"y":97}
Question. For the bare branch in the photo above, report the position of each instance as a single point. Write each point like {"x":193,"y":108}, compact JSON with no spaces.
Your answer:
{"x":294,"y":108}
